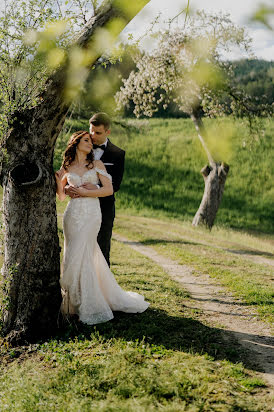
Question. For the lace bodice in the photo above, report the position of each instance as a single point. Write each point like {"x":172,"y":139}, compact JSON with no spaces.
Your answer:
{"x":84,"y":206}
{"x":90,"y":176}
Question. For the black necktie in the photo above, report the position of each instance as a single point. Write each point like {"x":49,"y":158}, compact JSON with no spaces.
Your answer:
{"x":96,"y":146}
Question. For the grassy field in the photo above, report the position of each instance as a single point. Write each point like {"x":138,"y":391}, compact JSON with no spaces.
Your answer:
{"x":234,"y":259}
{"x":163,"y":162}
{"x":164,"y":359}
{"x":169,"y":358}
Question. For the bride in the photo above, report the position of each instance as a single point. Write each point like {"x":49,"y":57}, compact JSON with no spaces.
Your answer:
{"x":89,"y":288}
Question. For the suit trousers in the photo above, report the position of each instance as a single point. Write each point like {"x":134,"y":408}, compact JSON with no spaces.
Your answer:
{"x":105,"y":233}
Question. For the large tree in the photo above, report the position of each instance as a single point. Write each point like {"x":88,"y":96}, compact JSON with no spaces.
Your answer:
{"x":36,"y":111}
{"x":187,"y":68}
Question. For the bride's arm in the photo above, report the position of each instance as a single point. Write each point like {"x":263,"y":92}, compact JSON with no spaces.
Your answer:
{"x":61,"y":181}
{"x":105,"y":190}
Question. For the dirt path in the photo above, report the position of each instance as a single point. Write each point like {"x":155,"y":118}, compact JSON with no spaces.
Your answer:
{"x":261,"y":260}
{"x":255,"y":256}
{"x":221,"y":309}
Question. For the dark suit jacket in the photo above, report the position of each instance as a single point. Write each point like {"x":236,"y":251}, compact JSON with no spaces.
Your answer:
{"x":114,"y":161}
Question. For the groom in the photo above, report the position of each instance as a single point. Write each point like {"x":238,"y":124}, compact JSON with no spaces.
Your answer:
{"x":114,"y":159}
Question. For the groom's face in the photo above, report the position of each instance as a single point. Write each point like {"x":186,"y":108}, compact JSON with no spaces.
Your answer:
{"x":98,"y":133}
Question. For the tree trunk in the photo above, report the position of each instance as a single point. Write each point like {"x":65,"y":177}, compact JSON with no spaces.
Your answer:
{"x":30,"y":284}
{"x":30,"y":291}
{"x":214,"y":178}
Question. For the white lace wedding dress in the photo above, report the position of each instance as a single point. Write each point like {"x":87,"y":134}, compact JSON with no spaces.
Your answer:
{"x":89,"y":288}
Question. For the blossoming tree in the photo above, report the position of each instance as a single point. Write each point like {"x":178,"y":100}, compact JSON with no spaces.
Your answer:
{"x":186,"y":67}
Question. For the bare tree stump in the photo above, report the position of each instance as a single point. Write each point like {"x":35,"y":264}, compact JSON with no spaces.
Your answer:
{"x":214,"y":178}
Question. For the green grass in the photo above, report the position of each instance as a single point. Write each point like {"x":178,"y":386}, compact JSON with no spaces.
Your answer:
{"x":163,"y":162}
{"x":214,"y":253}
{"x":165,"y":358}
{"x":170,"y":357}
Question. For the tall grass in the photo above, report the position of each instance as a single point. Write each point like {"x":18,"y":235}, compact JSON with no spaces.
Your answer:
{"x":163,"y":162}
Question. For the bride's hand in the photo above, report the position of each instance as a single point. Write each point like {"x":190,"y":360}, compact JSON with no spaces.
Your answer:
{"x":69,"y":191}
{"x":58,"y":175}
{"x":61,"y":180}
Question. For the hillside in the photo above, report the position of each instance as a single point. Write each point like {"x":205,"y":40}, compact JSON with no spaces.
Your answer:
{"x":163,"y":163}
{"x":256,"y":77}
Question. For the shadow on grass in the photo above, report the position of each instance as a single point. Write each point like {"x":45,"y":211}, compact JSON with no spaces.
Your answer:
{"x":177,"y":191}
{"x":161,"y":187}
{"x":250,"y":252}
{"x":177,"y":333}
{"x":156,"y":327}
{"x":165,"y":241}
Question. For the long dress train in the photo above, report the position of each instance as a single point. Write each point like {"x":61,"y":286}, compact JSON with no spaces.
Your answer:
{"x":88,"y":286}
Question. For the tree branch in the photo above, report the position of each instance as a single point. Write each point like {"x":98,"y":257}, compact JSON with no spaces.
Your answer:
{"x":185,"y":10}
{"x":201,"y":131}
{"x":110,"y":9}
{"x":47,"y":118}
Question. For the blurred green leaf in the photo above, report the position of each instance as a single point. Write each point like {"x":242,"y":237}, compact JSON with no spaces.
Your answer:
{"x":263,"y":14}
{"x":130,"y":8}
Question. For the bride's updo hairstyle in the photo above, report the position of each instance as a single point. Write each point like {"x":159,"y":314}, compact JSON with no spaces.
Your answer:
{"x":70,"y":152}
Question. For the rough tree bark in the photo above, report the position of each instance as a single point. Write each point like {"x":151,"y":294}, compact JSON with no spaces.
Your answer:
{"x":30,"y":282}
{"x":214,"y":175}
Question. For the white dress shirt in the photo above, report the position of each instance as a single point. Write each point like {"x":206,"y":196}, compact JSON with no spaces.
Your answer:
{"x":98,"y":153}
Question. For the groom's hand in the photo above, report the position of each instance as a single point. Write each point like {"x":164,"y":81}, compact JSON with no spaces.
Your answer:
{"x":89,"y":186}
{"x":72,"y":192}
{"x":69,"y":190}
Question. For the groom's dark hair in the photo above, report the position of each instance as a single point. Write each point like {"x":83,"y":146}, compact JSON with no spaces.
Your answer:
{"x":99,"y":119}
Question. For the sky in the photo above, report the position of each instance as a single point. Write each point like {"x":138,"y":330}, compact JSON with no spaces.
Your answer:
{"x":239,"y":10}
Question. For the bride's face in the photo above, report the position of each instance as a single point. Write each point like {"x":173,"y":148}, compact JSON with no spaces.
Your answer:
{"x":85,"y":144}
